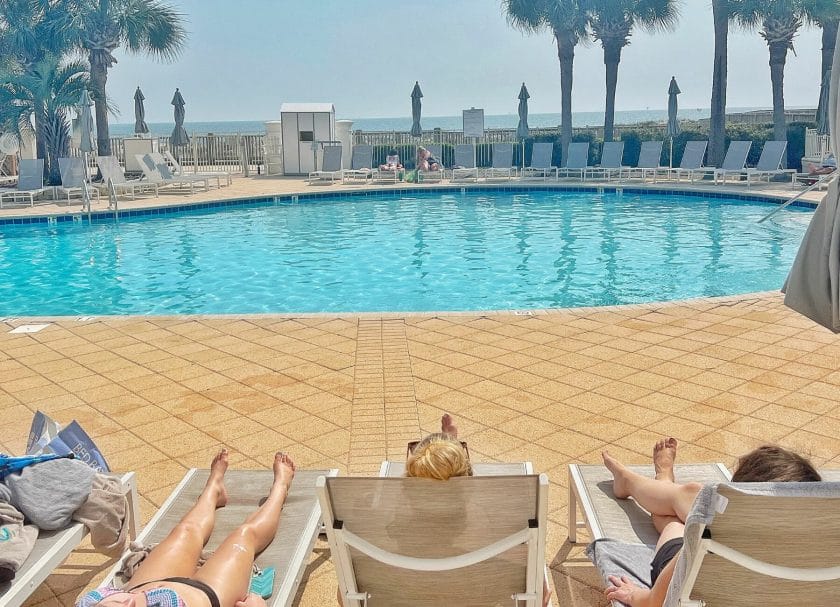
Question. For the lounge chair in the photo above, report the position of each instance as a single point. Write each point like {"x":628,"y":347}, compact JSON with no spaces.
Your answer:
{"x":648,"y":165}
{"x":53,"y":547}
{"x":112,"y":173}
{"x":74,"y":178}
{"x":170,"y":173}
{"x":540,"y":165}
{"x":178,"y":170}
{"x":770,"y":163}
{"x":733,"y":162}
{"x":30,"y":183}
{"x":330,"y":166}
{"x":388,"y":175}
{"x":299,"y":523}
{"x":410,"y":541}
{"x":577,"y":160}
{"x":463,"y":167}
{"x":159,"y":174}
{"x":361,"y":164}
{"x":692,"y":160}
{"x":429,"y":176}
{"x":611,"y":158}
{"x":502,"y":166}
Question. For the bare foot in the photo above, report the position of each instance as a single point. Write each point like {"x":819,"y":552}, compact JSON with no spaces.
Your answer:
{"x":216,"y":480}
{"x":447,"y":426}
{"x":620,"y":488}
{"x":664,"y":455}
{"x":284,"y":469}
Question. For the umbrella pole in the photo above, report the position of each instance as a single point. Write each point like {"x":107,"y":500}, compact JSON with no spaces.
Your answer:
{"x":85,"y":192}
{"x":671,"y":155}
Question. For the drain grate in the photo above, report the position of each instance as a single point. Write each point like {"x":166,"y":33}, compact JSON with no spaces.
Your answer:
{"x":29,"y":328}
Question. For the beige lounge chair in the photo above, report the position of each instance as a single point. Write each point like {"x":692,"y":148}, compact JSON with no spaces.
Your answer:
{"x":53,"y":547}
{"x":330,"y":170}
{"x":157,"y":172}
{"x":178,"y":170}
{"x":113,"y":173}
{"x":469,"y":541}
{"x":74,"y":179}
{"x":299,"y":523}
{"x":30,"y":183}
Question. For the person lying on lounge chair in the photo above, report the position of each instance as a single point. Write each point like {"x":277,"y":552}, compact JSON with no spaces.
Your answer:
{"x":669,"y":504}
{"x":168,"y":575}
{"x":426,"y":161}
{"x":392,"y":162}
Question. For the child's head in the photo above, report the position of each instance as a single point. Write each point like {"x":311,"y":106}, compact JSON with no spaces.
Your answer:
{"x":770,"y":463}
{"x":440,"y":457}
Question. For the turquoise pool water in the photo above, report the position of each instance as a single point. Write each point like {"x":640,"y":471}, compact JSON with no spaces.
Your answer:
{"x":427,"y":251}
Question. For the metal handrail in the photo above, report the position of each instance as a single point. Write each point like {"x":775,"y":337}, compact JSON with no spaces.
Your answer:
{"x":810,"y":188}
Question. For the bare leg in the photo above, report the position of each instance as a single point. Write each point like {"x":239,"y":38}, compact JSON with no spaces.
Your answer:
{"x":659,"y":497}
{"x":177,"y":555}
{"x":664,"y":456}
{"x":447,"y":426}
{"x":228,"y":571}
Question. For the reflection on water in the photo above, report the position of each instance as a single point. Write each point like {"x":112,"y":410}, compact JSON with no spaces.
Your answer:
{"x":487,"y":250}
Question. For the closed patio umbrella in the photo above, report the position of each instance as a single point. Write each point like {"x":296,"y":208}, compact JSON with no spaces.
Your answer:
{"x":179,"y":135}
{"x":673,"y":122}
{"x":140,"y":126}
{"x":813,"y":286}
{"x":85,"y":140}
{"x":823,"y":122}
{"x":522,"y":127}
{"x":416,"y":95}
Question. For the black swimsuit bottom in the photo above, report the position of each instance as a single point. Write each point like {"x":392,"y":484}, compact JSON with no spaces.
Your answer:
{"x":211,"y":594}
{"x":663,"y":556}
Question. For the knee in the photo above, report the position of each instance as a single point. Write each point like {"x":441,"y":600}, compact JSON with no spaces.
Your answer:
{"x":188,"y":529}
{"x":246,"y":535}
{"x":691,"y":489}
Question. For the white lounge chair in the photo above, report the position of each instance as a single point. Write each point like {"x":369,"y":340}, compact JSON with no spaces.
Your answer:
{"x":541,"y":165}
{"x":577,"y":159}
{"x":159,"y":174}
{"x":113,"y":173}
{"x":648,"y":165}
{"x":296,"y":535}
{"x":502,"y":165}
{"x":692,"y":160}
{"x":169,"y":173}
{"x":331,"y":170}
{"x":769,"y":163}
{"x":389,"y":175}
{"x":409,"y":541}
{"x":178,"y":170}
{"x":733,"y":162}
{"x":361,"y":164}
{"x":433,"y":176}
{"x":74,"y":178}
{"x":30,"y":183}
{"x":611,"y":159}
{"x":463,"y":167}
{"x":52,"y":548}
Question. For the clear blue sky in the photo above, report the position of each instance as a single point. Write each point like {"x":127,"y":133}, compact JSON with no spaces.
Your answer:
{"x":245,"y":58}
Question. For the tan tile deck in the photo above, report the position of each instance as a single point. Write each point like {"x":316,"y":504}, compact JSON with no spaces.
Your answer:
{"x":160,"y":395}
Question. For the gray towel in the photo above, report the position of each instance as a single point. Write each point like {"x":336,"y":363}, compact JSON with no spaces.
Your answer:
{"x":16,"y":541}
{"x":614,"y":557}
{"x":50,"y":492}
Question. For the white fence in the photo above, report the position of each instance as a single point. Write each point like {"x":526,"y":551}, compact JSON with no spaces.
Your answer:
{"x":816,"y":146}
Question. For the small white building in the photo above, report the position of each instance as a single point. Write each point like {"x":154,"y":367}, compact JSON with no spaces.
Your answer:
{"x":305,"y":126}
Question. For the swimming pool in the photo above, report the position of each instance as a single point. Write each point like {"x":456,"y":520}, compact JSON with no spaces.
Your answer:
{"x":476,"y":250}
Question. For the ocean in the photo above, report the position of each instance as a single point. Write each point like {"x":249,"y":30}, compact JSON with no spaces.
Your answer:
{"x":579,"y":119}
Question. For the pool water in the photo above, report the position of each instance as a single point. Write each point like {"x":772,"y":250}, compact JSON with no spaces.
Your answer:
{"x":425,"y":251}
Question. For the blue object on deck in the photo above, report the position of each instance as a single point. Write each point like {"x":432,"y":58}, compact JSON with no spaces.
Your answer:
{"x":9,"y":464}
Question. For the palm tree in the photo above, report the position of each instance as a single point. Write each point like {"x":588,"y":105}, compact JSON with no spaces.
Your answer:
{"x":829,"y":40}
{"x":722,"y":14}
{"x":100,"y":27}
{"x":27,"y":38}
{"x":43,"y":94}
{"x":566,"y":20}
{"x":778,"y":22}
{"x":612,"y":23}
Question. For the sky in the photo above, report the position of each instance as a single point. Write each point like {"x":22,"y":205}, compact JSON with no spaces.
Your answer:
{"x":244,"y":59}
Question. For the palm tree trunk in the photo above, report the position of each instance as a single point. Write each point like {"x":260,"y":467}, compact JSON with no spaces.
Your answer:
{"x":41,"y":139}
{"x":778,"y":57}
{"x":829,"y":40}
{"x":612,"y":57}
{"x":717,"y":122}
{"x":98,"y":79}
{"x":566,"y":54}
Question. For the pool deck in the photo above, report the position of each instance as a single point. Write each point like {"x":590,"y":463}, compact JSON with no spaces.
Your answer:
{"x":162,"y":394}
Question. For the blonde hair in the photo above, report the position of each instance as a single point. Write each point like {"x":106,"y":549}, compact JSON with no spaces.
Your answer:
{"x":440,"y":457}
